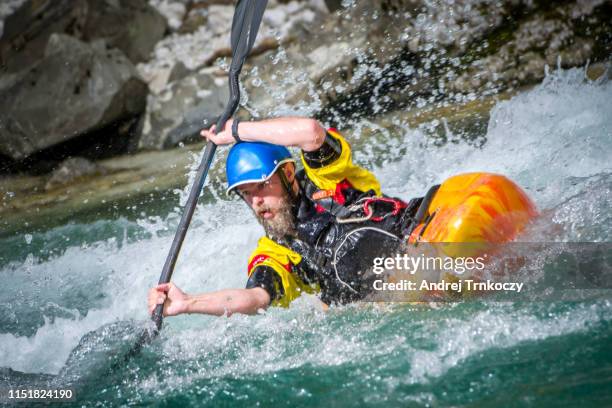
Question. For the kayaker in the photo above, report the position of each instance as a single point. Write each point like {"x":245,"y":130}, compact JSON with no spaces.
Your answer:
{"x":323,"y":225}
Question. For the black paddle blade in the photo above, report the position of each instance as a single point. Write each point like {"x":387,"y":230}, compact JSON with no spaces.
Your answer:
{"x":145,"y":337}
{"x":245,"y":26}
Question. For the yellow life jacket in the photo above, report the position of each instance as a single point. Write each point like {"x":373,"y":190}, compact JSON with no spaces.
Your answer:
{"x":283,"y":261}
{"x":343,"y":168}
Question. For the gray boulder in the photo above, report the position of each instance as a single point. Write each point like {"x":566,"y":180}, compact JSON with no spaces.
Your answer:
{"x":74,"y":89}
{"x":181,"y":110}
{"x":132,"y":26}
{"x":570,"y":34}
{"x":72,"y":169}
{"x":173,"y":11}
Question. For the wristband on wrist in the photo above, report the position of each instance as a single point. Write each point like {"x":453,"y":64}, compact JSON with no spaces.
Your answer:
{"x":235,"y":130}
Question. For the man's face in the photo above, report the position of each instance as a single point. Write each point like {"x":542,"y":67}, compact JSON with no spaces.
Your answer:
{"x":272,"y":206}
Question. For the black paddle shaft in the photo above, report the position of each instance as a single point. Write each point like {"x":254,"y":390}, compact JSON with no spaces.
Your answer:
{"x":245,"y":25}
{"x":181,"y":231}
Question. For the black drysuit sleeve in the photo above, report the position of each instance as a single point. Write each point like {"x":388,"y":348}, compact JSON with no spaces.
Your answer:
{"x":265,"y":277}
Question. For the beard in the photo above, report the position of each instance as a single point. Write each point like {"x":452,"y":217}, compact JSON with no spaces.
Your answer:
{"x":283,"y":223}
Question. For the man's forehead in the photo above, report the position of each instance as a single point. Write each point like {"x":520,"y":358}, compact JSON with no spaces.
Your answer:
{"x":249,"y":186}
{"x":254,"y":185}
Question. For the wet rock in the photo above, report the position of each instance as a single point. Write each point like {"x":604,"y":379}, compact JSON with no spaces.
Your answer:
{"x":194,"y":20}
{"x":179,"y":112}
{"x":333,"y":5}
{"x":197,"y":14}
{"x":8,"y":7}
{"x":567,"y":34}
{"x":533,"y":66}
{"x":184,"y":92}
{"x":298,"y":75}
{"x":72,"y":169}
{"x":577,"y":53}
{"x":304,"y":76}
{"x":456,"y":50}
{"x":143,"y":177}
{"x":74,"y":89}
{"x":173,"y":11}
{"x":129,"y":25}
{"x":132,"y":26}
{"x":160,"y":78}
{"x":599,"y":71}
{"x":208,"y":36}
{"x":362,"y":60}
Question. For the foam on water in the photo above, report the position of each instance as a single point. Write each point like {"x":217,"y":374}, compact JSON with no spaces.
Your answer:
{"x":543,"y":139}
{"x":108,"y":281}
{"x":247,"y":347}
{"x":495,"y":328}
{"x":553,"y":140}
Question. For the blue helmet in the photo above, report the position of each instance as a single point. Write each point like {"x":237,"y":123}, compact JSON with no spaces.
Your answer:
{"x":254,"y":162}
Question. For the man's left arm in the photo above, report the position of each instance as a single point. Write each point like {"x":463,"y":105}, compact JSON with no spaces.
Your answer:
{"x":305,"y":133}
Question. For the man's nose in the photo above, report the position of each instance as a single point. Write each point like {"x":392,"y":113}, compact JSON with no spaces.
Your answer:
{"x":258,"y":200}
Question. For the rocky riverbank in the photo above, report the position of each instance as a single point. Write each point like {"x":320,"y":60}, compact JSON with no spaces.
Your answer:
{"x":113,"y":84}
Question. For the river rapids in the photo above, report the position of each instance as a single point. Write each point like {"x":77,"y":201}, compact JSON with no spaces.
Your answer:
{"x":73,"y":298}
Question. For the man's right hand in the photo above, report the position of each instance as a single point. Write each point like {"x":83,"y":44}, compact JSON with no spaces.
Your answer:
{"x":175,"y":301}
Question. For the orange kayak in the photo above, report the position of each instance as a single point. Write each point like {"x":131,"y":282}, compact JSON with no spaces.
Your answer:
{"x":475,"y":207}
{"x":468,"y":215}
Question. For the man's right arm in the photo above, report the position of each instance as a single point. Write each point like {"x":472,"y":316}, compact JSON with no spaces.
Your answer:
{"x":222,"y":302}
{"x":265,"y":277}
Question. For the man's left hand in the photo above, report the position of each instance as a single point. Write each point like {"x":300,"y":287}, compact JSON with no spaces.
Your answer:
{"x":222,"y":138}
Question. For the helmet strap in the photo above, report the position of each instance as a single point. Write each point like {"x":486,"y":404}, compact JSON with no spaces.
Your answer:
{"x":287,"y":185}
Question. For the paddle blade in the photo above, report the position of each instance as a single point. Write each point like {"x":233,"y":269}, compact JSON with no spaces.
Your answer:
{"x":245,"y":25}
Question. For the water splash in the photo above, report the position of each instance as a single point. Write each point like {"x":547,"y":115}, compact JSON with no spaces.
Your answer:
{"x":553,"y":140}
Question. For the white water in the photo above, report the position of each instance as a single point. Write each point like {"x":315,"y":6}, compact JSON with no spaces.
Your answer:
{"x":459,"y":339}
{"x":542,"y":139}
{"x":554,"y":140}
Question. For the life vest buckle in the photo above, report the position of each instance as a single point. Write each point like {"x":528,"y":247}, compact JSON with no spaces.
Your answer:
{"x":322,"y":194}
{"x":398,"y":205}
